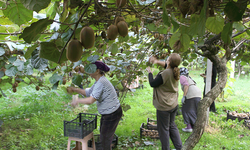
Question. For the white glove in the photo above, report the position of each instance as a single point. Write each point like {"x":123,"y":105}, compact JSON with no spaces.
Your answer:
{"x":183,"y":99}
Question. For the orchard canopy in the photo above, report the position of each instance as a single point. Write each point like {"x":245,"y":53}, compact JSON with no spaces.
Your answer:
{"x":34,"y":35}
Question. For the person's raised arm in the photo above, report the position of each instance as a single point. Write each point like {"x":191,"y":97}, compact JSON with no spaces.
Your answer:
{"x":154,"y":60}
{"x":77,"y":90}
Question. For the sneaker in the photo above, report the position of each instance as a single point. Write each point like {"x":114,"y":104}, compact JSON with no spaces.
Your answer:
{"x":187,"y":130}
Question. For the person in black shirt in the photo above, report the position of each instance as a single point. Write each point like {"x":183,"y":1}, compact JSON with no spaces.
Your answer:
{"x":214,"y":75}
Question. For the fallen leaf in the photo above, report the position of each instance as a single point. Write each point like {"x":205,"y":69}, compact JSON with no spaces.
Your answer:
{"x":137,"y":143}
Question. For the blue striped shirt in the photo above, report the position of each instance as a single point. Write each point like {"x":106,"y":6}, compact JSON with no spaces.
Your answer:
{"x":106,"y":98}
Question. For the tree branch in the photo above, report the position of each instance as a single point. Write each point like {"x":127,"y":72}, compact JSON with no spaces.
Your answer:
{"x":74,"y":30}
{"x":240,"y":33}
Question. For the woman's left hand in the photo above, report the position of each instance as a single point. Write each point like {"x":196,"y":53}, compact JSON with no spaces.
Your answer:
{"x":148,"y":69}
{"x":74,"y":103}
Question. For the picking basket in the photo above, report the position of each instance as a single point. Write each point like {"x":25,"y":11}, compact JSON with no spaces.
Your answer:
{"x":153,"y":134}
{"x":151,"y":124}
{"x":247,"y":123}
{"x":81,"y":126}
{"x":233,"y":117}
{"x":98,"y":141}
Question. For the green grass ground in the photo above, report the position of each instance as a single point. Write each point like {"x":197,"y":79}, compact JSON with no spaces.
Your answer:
{"x":34,"y":119}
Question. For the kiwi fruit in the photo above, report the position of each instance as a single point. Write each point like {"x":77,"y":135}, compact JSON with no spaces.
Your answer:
{"x":161,"y":37}
{"x":156,"y":35}
{"x":122,"y":28}
{"x":87,"y":37}
{"x":37,"y":88}
{"x":77,"y":68}
{"x":81,"y":69}
{"x":121,"y":3}
{"x":118,"y":19}
{"x":64,"y":81}
{"x":112,"y":32}
{"x":74,"y":50}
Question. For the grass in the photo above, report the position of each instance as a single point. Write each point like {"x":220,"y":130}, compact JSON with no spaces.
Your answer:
{"x":34,"y":119}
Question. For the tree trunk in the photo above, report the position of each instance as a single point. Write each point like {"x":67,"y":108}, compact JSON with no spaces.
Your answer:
{"x":203,"y":105}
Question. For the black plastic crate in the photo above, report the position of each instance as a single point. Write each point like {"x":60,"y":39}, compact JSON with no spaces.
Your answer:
{"x":151,"y":124}
{"x":98,"y":141}
{"x":144,"y":131}
{"x":247,"y":123}
{"x":81,"y":126}
{"x":232,"y":117}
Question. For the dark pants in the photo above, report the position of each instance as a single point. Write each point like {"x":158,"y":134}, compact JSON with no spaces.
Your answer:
{"x":109,"y":123}
{"x":189,"y":110}
{"x":212,"y":106}
{"x":167,"y":128}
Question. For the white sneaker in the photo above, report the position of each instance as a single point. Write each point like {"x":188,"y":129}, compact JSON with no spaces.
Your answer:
{"x":187,"y":130}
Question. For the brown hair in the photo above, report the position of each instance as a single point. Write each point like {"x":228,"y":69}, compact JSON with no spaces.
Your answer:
{"x":174,"y":62}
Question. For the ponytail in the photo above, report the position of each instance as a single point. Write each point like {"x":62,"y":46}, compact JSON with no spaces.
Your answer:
{"x":176,"y":72}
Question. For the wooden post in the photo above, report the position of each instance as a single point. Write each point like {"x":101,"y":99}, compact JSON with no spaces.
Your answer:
{"x":208,"y":81}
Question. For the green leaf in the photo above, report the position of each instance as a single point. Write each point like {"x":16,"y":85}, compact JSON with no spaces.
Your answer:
{"x":5,"y":21}
{"x":185,"y":63}
{"x":29,"y":69}
{"x":93,"y":58}
{"x":11,"y":71}
{"x":17,"y":13}
{"x":27,"y":55}
{"x":151,"y":27}
{"x":238,"y":26}
{"x":51,"y":10}
{"x":36,"y":28}
{"x":2,"y":51}
{"x":50,"y":52}
{"x":215,"y":24}
{"x":54,"y":87}
{"x":77,"y":80}
{"x":194,"y":24}
{"x":12,"y":59}
{"x":113,"y":49}
{"x":37,"y":62}
{"x":55,"y":78}
{"x":1,"y":74}
{"x":202,"y":20}
{"x":19,"y":64}
{"x":175,"y":37}
{"x":162,"y":30}
{"x":185,"y":42}
{"x":165,"y":17}
{"x":35,"y":5}
{"x":66,"y":35}
{"x":193,"y":55}
{"x":175,"y":24}
{"x":90,"y":68}
{"x":234,"y":11}
{"x":123,"y":39}
{"x":226,"y":34}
